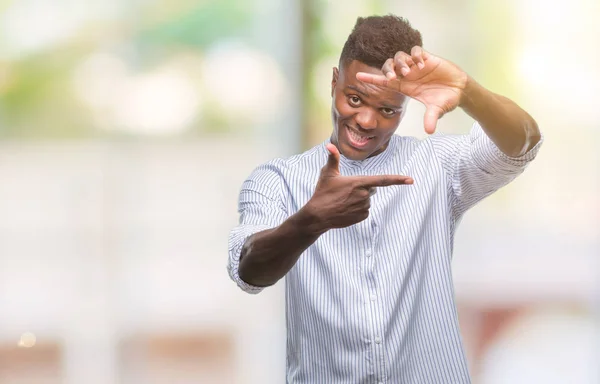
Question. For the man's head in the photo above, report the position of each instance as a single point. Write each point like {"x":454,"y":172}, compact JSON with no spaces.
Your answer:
{"x":366,"y":116}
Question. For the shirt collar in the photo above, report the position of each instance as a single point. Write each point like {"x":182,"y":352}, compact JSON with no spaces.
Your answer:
{"x":373,"y":162}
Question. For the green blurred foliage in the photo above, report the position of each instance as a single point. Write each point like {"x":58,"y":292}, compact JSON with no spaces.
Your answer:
{"x":198,"y":26}
{"x":36,"y":96}
{"x":37,"y":101}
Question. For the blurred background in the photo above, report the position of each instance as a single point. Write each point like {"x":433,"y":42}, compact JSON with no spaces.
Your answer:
{"x":127,"y":128}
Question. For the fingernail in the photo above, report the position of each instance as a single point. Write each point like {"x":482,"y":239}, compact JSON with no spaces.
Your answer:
{"x":421,"y":65}
{"x":405,"y":71}
{"x":389,"y":75}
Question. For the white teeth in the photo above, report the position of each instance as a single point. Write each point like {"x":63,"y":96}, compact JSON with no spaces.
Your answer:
{"x":359,"y":138}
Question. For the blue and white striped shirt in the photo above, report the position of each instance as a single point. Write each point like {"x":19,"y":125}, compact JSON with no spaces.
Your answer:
{"x":374,"y":302}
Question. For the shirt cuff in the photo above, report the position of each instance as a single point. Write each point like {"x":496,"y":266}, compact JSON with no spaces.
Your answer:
{"x":488,"y":153}
{"x":237,"y":240}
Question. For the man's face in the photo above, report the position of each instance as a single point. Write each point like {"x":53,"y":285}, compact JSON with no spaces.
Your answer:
{"x":365,"y":116}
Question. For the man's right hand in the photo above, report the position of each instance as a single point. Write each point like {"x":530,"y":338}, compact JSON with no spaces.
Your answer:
{"x":341,"y":201}
{"x":338,"y":202}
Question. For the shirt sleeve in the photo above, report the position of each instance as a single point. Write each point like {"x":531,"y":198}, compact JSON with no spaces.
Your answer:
{"x":260,"y":207}
{"x":476,"y":166}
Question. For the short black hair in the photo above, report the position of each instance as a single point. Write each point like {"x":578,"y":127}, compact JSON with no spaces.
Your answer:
{"x":374,"y":39}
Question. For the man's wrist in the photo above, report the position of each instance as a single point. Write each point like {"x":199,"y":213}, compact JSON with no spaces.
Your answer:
{"x":308,"y":222}
{"x":470,"y":94}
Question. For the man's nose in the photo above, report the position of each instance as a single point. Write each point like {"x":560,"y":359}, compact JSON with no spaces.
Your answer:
{"x":367,"y":119}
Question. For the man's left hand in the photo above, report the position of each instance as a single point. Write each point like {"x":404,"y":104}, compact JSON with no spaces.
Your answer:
{"x":435,"y":82}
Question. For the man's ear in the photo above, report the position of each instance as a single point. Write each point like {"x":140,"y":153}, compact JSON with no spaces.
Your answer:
{"x":334,"y":79}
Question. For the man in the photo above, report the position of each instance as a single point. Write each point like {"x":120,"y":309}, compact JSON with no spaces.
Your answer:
{"x":362,"y":226}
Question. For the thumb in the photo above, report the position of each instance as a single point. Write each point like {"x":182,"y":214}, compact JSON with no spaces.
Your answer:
{"x":432,"y":115}
{"x":333,"y":161}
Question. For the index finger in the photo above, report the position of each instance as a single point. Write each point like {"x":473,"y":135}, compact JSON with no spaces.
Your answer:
{"x":383,"y":180}
{"x":379,"y":80}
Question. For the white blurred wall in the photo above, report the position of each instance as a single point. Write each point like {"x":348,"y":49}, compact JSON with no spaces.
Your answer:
{"x":99,"y":242}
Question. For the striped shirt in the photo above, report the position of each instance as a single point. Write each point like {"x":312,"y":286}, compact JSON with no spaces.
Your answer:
{"x":374,"y":302}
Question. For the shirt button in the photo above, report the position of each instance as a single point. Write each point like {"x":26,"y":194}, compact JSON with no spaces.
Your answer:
{"x":368,"y":253}
{"x":378,"y":340}
{"x":373,"y":297}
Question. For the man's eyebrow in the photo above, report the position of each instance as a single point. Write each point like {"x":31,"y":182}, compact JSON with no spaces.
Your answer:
{"x":383,"y":105}
{"x":358,"y":90}
{"x":390,"y":106}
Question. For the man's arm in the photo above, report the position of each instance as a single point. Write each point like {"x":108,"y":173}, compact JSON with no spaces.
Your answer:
{"x":267,"y":256}
{"x":512,"y":129}
{"x":442,"y":86}
{"x":502,"y":142}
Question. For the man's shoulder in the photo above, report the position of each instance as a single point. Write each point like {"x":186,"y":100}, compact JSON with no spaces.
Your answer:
{"x":434,"y":142}
{"x":313,"y":157}
{"x":405,"y":141}
{"x":405,"y":146}
{"x":426,"y":151}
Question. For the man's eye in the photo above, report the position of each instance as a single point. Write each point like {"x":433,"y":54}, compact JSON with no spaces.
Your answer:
{"x":388,"y":111}
{"x":354,"y":100}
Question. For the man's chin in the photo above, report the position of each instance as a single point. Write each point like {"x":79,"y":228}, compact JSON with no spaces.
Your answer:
{"x":352,"y":153}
